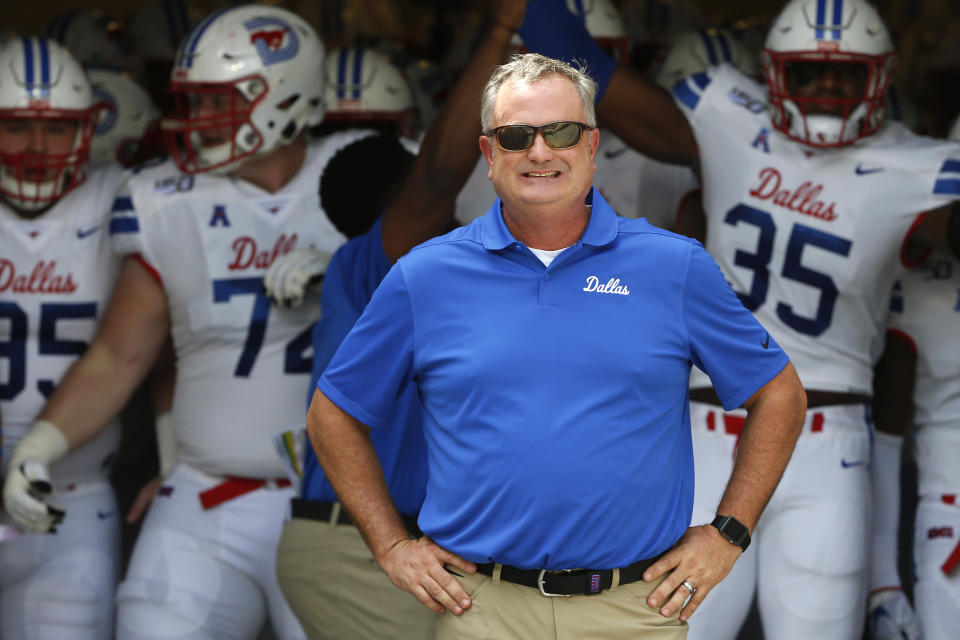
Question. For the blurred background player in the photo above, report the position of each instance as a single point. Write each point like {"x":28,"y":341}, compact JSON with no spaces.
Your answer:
{"x":56,"y":275}
{"x":807,"y":226}
{"x":199,"y":232}
{"x":128,"y":130}
{"x":923,"y":392}
{"x":365,"y":90}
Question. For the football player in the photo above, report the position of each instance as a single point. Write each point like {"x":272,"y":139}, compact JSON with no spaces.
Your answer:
{"x":812,"y":198}
{"x":923,"y":317}
{"x":198,"y":233}
{"x":56,"y":274}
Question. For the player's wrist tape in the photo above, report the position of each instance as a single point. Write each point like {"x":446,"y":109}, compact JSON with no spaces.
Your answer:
{"x":44,"y":443}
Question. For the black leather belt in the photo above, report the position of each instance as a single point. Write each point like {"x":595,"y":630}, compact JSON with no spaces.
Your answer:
{"x":568,"y":583}
{"x":815,"y":398}
{"x":318,"y":510}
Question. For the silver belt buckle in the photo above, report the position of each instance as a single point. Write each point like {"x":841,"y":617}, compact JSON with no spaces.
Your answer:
{"x":546,"y":594}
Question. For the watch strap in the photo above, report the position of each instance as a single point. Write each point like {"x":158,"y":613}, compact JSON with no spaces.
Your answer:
{"x":733,"y":530}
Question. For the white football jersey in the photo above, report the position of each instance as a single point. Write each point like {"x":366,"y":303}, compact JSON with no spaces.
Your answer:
{"x":637,"y":186}
{"x":925,"y":307}
{"x":809,"y":238}
{"x":476,"y":195}
{"x":634,"y":185}
{"x":243,"y":364}
{"x":56,"y":275}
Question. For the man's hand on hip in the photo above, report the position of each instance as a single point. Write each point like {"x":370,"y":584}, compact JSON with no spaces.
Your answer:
{"x":699,"y":561}
{"x":416,"y":566}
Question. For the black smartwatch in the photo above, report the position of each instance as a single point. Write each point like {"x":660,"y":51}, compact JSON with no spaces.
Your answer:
{"x":733,"y":530}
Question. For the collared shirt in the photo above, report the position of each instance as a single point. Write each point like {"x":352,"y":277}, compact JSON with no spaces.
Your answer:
{"x":554,"y":398}
{"x":351,"y":278}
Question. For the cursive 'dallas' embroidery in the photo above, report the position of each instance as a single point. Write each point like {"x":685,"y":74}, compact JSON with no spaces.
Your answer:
{"x":612,"y":286}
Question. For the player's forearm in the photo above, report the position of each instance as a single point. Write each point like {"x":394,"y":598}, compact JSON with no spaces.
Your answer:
{"x":450,"y":151}
{"x":97,"y":386}
{"x":424,"y":207}
{"x":344,"y":450}
{"x":774,"y":420}
{"x":644,"y":115}
{"x":92,"y":392}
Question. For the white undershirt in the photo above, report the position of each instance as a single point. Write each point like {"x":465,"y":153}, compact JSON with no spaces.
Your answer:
{"x":547,"y":255}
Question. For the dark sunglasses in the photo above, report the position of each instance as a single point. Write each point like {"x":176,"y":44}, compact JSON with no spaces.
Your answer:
{"x":557,"y":135}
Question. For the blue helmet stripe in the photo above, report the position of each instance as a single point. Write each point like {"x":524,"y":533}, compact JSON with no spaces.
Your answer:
{"x":708,"y":45}
{"x":837,"y":18}
{"x":44,"y":66}
{"x":821,"y":17}
{"x":357,"y":72}
{"x":186,"y":60}
{"x":725,"y":47}
{"x":342,"y":73}
{"x":28,"y":64}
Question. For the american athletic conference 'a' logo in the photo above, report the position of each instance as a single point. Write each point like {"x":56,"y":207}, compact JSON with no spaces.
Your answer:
{"x":274,"y":39}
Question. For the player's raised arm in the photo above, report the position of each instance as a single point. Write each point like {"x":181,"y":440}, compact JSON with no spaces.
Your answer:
{"x":639,"y":111}
{"x":424,"y":206}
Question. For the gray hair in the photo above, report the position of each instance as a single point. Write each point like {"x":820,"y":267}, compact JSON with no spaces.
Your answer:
{"x":529,"y":68}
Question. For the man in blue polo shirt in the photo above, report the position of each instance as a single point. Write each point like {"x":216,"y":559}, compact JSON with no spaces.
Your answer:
{"x":324,"y":568}
{"x":550,"y":344}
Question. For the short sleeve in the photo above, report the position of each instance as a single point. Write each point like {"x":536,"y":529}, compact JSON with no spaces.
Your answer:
{"x":125,"y":228}
{"x":726,"y":341}
{"x":375,"y":361}
{"x":348,"y":284}
{"x":689,"y":91}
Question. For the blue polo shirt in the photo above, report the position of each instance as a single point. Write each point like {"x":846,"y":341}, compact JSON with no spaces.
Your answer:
{"x":351,"y":278}
{"x":554,"y":399}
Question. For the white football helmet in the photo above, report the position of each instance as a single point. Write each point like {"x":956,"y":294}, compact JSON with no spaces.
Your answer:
{"x":246,"y":79}
{"x":364,"y":86}
{"x":92,"y":36}
{"x":124,"y":124}
{"x":40,"y":80}
{"x":691,"y":52}
{"x":827,"y":32}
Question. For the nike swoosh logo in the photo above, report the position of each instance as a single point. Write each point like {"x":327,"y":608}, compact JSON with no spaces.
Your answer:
{"x":847,"y":465}
{"x":860,"y":171}
{"x":103,"y":515}
{"x":766,"y":342}
{"x":610,"y":154}
{"x":83,"y":233}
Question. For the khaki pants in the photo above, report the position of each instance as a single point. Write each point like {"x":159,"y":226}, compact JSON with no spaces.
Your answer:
{"x":504,"y":611}
{"x":338,"y":591}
